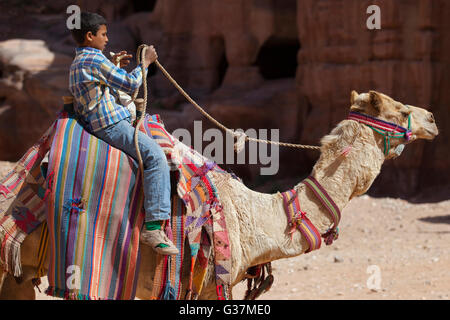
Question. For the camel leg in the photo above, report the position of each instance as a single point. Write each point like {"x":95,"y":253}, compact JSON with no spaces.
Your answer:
{"x":18,"y":289}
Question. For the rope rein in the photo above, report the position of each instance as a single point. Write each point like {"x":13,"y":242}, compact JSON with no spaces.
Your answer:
{"x":240,"y":136}
{"x":142,"y":106}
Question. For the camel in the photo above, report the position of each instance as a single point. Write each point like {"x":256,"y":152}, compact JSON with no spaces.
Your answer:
{"x":257,"y":222}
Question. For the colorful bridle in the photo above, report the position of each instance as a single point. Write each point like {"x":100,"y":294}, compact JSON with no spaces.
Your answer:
{"x":387,"y":129}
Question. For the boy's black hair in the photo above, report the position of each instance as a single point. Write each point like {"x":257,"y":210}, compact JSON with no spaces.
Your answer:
{"x":88,"y":22}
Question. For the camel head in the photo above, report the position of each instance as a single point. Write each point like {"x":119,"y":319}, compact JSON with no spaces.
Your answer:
{"x":420,"y":121}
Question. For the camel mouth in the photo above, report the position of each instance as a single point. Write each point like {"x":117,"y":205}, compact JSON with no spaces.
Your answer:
{"x":431,"y":134}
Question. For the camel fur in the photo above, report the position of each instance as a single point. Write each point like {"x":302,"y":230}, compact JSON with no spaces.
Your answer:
{"x":257,"y":223}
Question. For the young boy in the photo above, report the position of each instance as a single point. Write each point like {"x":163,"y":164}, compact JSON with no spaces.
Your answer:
{"x":95,"y":82}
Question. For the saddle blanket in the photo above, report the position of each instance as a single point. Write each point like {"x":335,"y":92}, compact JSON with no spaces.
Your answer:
{"x":90,"y":195}
{"x":22,"y":205}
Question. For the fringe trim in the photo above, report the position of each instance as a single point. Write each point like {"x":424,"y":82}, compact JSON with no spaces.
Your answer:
{"x":10,"y":254}
{"x":68,"y":295}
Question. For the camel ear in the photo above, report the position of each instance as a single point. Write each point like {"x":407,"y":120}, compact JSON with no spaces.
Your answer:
{"x":353,"y":97}
{"x":375,"y":100}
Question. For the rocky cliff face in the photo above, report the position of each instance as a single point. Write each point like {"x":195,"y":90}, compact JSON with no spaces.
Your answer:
{"x":289,"y":65}
{"x":406,"y":59}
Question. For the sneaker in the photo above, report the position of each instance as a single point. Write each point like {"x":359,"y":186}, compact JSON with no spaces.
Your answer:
{"x":154,"y":237}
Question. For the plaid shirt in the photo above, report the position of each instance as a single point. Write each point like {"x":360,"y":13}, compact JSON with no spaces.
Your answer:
{"x":94,"y":82}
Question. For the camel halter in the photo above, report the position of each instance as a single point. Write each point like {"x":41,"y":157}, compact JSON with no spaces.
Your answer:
{"x":387,"y":129}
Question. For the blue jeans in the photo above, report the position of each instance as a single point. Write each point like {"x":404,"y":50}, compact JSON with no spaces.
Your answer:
{"x":156,"y":169}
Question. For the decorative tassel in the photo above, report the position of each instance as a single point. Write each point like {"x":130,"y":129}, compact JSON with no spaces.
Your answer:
{"x":292,"y":231}
{"x":188,"y":295}
{"x":74,"y":205}
{"x":408,"y":135}
{"x":399,"y":149}
{"x":346,"y":150}
{"x":17,"y":261}
{"x":169,"y":292}
{"x":296,"y":221}
{"x":330,"y":236}
{"x":219,"y":291}
{"x":10,"y":257}
{"x":50,"y":291}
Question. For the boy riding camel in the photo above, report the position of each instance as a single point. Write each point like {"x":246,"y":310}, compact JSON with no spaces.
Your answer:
{"x":95,"y":83}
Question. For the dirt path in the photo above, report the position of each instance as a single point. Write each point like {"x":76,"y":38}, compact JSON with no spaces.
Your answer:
{"x":387,"y":249}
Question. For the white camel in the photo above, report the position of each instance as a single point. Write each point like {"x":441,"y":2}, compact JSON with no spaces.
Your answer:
{"x":257,"y":222}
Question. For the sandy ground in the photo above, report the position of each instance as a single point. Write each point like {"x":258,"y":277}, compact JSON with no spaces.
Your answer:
{"x":387,"y":249}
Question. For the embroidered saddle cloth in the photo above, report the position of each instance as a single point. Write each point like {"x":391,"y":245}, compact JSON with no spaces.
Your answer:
{"x":90,"y":198}
{"x":22,"y":206}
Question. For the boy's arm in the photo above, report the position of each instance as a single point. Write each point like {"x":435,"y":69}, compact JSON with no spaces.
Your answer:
{"x":118,"y":78}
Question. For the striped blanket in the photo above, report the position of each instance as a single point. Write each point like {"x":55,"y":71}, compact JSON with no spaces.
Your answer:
{"x":93,"y":216}
{"x":92,"y":198}
{"x":203,"y":222}
{"x":22,"y":205}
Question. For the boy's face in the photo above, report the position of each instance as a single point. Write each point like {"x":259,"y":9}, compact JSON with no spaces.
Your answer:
{"x":99,"y":40}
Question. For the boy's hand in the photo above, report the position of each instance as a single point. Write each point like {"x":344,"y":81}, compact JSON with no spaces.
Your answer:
{"x":123,"y":57}
{"x":150,"y":56}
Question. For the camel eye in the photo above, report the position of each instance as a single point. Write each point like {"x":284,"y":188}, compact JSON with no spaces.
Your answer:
{"x":431,"y":118}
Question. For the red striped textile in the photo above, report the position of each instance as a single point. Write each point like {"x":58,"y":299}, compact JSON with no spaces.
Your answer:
{"x":92,"y":196}
{"x":329,"y":204}
{"x":92,"y":216}
{"x":298,"y":219}
{"x":22,"y":194}
{"x":380,"y":124}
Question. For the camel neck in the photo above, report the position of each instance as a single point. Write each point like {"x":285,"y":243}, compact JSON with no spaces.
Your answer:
{"x":342,"y":178}
{"x":345,"y":177}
